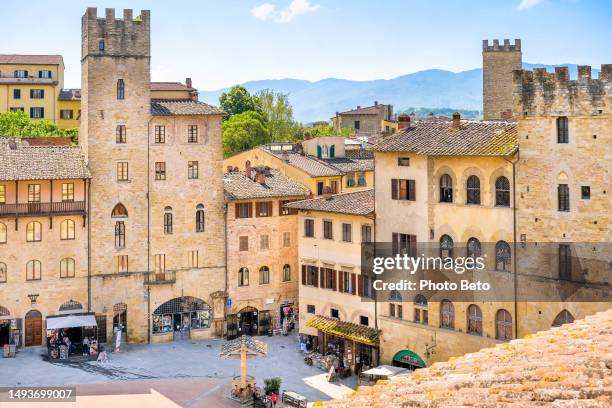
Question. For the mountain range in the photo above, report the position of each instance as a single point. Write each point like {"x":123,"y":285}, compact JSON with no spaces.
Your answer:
{"x":432,"y":88}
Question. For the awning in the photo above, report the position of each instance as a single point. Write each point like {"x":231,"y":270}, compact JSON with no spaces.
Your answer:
{"x":351,"y":331}
{"x":409,"y":357}
{"x":64,"y":322}
{"x":384,"y":370}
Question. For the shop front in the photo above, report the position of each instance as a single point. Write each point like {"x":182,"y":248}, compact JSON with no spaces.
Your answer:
{"x":250,"y":322}
{"x":180,"y":318}
{"x":287,"y":318}
{"x":349,"y":347}
{"x":10,"y":329}
{"x":408,"y":359}
{"x":72,"y":336}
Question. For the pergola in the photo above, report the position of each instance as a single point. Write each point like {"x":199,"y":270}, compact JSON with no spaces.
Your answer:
{"x":244,"y":347}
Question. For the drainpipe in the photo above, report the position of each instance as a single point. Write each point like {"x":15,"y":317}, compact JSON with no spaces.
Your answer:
{"x":148,"y":229}
{"x":374,"y":240}
{"x":514,"y":244}
{"x":88,"y":198}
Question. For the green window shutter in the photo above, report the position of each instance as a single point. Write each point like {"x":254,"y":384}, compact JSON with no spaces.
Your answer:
{"x":332,"y":150}
{"x":319,"y":151}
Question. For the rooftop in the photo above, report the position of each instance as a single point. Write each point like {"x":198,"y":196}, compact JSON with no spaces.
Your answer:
{"x":22,"y":59}
{"x":349,"y":164}
{"x":170,"y":86}
{"x":19,"y":161}
{"x":471,"y":138}
{"x":346,"y":330}
{"x":309,"y":164}
{"x":366,"y":110}
{"x":70,"y":95}
{"x":565,"y":366}
{"x":356,"y":203}
{"x":238,"y":186}
{"x":182,"y":107}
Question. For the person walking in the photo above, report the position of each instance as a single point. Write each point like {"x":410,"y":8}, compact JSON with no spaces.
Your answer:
{"x":274,"y":398}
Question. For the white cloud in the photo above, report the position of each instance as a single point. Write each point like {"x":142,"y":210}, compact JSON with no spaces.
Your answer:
{"x":527,"y":4}
{"x":267,"y":11}
{"x":263,"y":12}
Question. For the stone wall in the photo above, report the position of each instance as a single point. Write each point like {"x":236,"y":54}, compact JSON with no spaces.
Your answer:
{"x":498,"y":62}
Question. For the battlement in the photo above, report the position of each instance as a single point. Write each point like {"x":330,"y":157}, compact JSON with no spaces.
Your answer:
{"x":109,"y":35}
{"x":539,"y":92}
{"x":507,"y":46}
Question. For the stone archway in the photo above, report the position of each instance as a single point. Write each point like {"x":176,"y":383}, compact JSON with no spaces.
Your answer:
{"x":181,"y":315}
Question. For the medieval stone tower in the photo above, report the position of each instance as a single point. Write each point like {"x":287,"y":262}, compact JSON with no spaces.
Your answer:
{"x":498,"y":62}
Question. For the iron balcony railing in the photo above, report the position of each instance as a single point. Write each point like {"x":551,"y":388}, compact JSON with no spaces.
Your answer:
{"x":42,"y":209}
{"x":159,"y":278}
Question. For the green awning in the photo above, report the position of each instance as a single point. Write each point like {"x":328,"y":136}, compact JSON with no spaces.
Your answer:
{"x":410,"y":357}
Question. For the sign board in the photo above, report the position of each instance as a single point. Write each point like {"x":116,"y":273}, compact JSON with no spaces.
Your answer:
{"x":228,"y":302}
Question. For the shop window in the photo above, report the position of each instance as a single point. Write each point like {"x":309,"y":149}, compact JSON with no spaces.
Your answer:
{"x":184,"y":311}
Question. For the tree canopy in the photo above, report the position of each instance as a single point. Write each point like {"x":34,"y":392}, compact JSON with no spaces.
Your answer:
{"x":244,"y":131}
{"x":236,"y":101}
{"x":278,"y":111}
{"x":19,"y":124}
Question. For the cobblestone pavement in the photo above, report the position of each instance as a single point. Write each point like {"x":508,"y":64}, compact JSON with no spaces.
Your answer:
{"x":185,"y":359}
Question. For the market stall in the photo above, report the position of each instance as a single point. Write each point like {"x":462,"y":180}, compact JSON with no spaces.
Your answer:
{"x":72,"y":335}
{"x":382,"y":372}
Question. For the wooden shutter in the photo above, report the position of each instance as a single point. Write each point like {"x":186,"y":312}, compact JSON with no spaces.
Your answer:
{"x":353,"y":283}
{"x":411,"y":190}
{"x":341,"y":282}
{"x":31,"y":93}
{"x":257,"y":208}
{"x":395,"y":246}
{"x":412,"y":245}
{"x":303,"y":274}
{"x":316,"y":270}
{"x":322,"y":277}
{"x":237,"y":210}
{"x":250,"y":205}
{"x":42,"y":93}
{"x":334,"y":279}
{"x":394,"y":189}
{"x":360,"y":285}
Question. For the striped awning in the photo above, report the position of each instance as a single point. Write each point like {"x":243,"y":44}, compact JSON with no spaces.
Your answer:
{"x":350,"y":331}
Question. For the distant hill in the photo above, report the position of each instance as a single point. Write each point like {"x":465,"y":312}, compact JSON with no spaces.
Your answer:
{"x":433,"y":88}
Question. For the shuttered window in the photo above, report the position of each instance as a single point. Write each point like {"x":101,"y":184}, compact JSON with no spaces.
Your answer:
{"x":402,"y":189}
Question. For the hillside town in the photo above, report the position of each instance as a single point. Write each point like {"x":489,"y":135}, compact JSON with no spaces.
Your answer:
{"x":143,"y":239}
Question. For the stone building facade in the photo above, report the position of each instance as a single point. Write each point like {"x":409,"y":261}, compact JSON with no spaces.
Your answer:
{"x":498,"y":62}
{"x":157,"y":231}
{"x":366,"y":120}
{"x":262,"y":248}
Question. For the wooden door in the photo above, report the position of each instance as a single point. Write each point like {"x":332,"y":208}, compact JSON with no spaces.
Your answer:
{"x":232,"y":326}
{"x":33,"y":328}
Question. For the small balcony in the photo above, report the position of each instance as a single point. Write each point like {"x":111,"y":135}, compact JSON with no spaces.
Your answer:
{"x":160,"y":278}
{"x":42,"y":209}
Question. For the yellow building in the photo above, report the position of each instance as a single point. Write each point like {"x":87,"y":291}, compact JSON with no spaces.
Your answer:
{"x":337,"y":308}
{"x":316,"y":163}
{"x":262,"y":251}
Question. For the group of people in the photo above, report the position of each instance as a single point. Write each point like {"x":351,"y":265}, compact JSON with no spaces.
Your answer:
{"x":254,"y":392}
{"x":60,"y":345}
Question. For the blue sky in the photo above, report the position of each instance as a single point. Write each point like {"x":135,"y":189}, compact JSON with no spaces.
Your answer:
{"x":222,"y":42}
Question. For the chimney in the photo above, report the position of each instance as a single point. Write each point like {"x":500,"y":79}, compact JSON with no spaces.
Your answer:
{"x":375,"y":103}
{"x":403,"y":121}
{"x":456,"y":120}
{"x":260,"y":177}
{"x":286,"y":157}
{"x":247,"y":168}
{"x":188,"y":82}
{"x":229,"y":169}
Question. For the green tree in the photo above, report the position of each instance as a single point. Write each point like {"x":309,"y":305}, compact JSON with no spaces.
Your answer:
{"x":236,"y":101}
{"x":277,"y":109}
{"x":327,"y":130}
{"x":244,"y":131}
{"x":19,"y":124}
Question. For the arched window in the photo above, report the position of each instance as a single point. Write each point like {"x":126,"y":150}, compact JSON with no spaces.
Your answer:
{"x":119,"y":211}
{"x":446,"y":246}
{"x":503,"y":256}
{"x":502,"y":192}
{"x":421,"y":314}
{"x":474,"y":249}
{"x":120,"y":89}
{"x":2,"y":233}
{"x":200,"y":218}
{"x":67,"y":229}
{"x":473,"y":190}
{"x":446,"y":189}
{"x":395,"y":309}
{"x":562,"y":130}
{"x":70,"y":305}
{"x":119,"y":234}
{"x":264,"y":275}
{"x":286,"y":273}
{"x":3,"y":272}
{"x":503,"y":325}
{"x":33,"y":231}
{"x":121,"y":134}
{"x":183,"y":311}
{"x":563,"y":197}
{"x":67,"y":268}
{"x":474,"y":320}
{"x":562,"y":318}
{"x":33,"y":270}
{"x":243,"y":276}
{"x":168,"y":220}
{"x":447,"y":314}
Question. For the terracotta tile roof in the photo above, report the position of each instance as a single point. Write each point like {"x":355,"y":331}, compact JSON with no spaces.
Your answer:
{"x":357,"y":203}
{"x":567,"y":366}
{"x":70,"y":95}
{"x":441,"y":139}
{"x":178,"y":107}
{"x":352,"y":331}
{"x":366,"y":110}
{"x":31,"y":59}
{"x":309,"y":164}
{"x":169,"y":86}
{"x":253,"y":346}
{"x":21,"y":162}
{"x":238,"y":186}
{"x":348,"y":164}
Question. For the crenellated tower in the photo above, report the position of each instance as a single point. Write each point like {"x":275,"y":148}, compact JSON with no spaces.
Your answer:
{"x":498,"y":62}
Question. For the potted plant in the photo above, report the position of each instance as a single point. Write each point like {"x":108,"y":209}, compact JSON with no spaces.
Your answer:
{"x":272,"y":385}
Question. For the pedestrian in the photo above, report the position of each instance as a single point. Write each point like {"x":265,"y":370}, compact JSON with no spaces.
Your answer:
{"x":274,"y":398}
{"x":85,"y":346}
{"x":103,"y":357}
